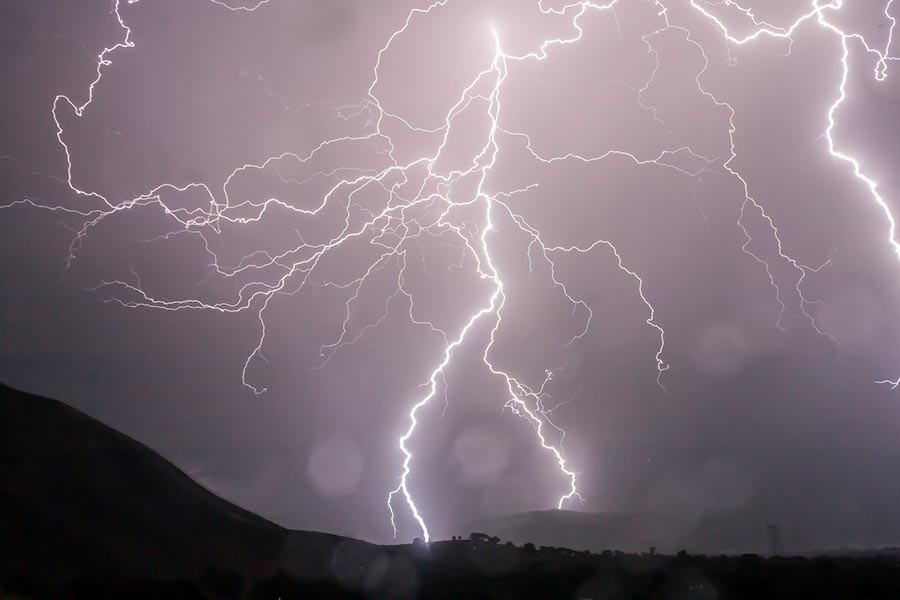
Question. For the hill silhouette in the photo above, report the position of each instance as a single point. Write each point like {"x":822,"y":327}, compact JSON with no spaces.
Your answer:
{"x":78,"y":497}
{"x":728,"y":533}
{"x":88,"y":513}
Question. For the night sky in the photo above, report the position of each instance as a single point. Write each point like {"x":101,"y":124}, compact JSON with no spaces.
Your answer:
{"x":138,"y":277}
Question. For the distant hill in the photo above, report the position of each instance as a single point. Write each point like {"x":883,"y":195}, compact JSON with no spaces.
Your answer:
{"x":87,"y":513}
{"x":725,"y":533}
{"x":77,"y":497}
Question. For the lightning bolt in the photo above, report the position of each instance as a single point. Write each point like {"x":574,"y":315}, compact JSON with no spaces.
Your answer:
{"x":818,"y":14}
{"x":418,"y":200}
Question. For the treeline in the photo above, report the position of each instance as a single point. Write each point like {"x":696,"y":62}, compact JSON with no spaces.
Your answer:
{"x":482,"y":567}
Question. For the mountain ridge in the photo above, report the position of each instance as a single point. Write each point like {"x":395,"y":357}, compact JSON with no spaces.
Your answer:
{"x":629,"y":532}
{"x":80,"y":497}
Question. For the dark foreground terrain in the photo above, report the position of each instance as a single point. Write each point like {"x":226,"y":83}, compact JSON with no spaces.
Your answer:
{"x":86,"y":512}
{"x":466,"y":570}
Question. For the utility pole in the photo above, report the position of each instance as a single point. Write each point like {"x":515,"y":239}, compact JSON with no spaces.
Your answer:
{"x":775,"y":547}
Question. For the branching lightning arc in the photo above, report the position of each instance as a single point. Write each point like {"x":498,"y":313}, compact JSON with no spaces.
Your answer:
{"x":431,"y":210}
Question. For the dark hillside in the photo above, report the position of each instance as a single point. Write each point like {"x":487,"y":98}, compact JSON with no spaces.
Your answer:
{"x":77,"y":497}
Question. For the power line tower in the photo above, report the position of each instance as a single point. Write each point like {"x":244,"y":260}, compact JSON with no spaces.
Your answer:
{"x":775,"y":547}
